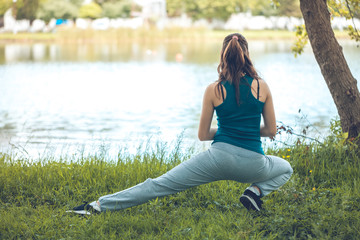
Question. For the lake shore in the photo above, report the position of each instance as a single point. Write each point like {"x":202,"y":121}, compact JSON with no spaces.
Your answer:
{"x":321,"y":200}
{"x":70,"y":35}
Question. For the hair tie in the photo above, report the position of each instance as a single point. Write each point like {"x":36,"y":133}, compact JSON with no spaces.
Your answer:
{"x":235,"y":37}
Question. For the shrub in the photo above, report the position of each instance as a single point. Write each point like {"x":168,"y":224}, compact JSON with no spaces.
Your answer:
{"x":91,"y":10}
{"x":117,"y":9}
{"x":57,"y":9}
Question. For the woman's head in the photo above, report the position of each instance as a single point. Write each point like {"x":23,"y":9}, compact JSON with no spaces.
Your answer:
{"x":235,"y":61}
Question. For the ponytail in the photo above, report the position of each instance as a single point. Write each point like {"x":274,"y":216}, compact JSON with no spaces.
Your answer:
{"x":235,"y":63}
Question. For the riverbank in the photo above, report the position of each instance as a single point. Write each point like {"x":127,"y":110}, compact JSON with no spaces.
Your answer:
{"x":142,"y":34}
{"x":321,"y":200}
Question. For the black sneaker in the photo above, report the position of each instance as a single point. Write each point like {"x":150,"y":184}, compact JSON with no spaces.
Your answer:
{"x":84,"y":209}
{"x":251,"y":201}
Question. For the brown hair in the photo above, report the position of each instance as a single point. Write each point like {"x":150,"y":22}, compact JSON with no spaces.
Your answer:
{"x":235,"y":63}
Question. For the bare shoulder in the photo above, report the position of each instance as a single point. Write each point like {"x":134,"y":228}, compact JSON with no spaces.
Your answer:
{"x":211,"y":89}
{"x":213,"y":95}
{"x":264,"y":87}
{"x":263,"y":83}
{"x":212,"y":86}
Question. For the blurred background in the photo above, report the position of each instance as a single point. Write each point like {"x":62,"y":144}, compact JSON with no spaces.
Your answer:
{"x":82,"y":76}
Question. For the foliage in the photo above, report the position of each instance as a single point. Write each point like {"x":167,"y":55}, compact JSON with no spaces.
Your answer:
{"x":321,"y":200}
{"x":354,"y":11}
{"x":287,"y":8}
{"x":4,"y":6}
{"x":338,"y":8}
{"x":91,"y":10}
{"x":279,"y":8}
{"x":26,"y":9}
{"x":301,"y":40}
{"x":101,"y":2}
{"x":117,"y":9}
{"x":344,"y":8}
{"x":259,"y":7}
{"x":77,"y":3}
{"x":57,"y":9}
{"x":210,"y":9}
{"x":353,"y":33}
{"x":175,"y":8}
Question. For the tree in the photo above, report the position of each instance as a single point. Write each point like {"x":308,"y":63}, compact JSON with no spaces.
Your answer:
{"x":348,"y":9}
{"x":117,"y":9}
{"x":260,"y":8}
{"x":223,"y":9}
{"x":175,"y":8}
{"x":77,"y":3}
{"x":91,"y":10}
{"x":4,"y":6}
{"x":288,"y":8}
{"x":26,"y":9}
{"x":208,"y":9}
{"x":57,"y":9}
{"x":334,"y":68}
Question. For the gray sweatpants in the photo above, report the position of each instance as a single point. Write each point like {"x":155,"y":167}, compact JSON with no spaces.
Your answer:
{"x":221,"y":162}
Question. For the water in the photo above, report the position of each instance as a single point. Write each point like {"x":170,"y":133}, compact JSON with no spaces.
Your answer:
{"x":71,"y":98}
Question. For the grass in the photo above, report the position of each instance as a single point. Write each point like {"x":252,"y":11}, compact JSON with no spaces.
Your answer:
{"x":321,"y":200}
{"x":145,"y":34}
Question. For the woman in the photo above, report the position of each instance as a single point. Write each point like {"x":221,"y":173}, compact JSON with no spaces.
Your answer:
{"x":239,"y":98}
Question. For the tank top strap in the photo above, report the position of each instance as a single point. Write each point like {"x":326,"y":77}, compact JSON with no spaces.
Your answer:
{"x":250,"y":80}
{"x":222,"y":91}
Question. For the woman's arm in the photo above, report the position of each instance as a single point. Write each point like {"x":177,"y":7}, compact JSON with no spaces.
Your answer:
{"x":269,"y":127}
{"x":205,"y":131}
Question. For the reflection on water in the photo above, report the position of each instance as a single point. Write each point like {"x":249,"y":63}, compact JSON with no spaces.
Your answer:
{"x":198,"y":52}
{"x":124,"y":52}
{"x":55,"y":95}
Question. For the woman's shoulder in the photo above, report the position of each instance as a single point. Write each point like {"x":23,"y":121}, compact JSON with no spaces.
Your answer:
{"x":263,"y":84}
{"x":210,"y":89}
{"x":214,"y":92}
{"x":260,"y":84}
{"x":213,"y":87}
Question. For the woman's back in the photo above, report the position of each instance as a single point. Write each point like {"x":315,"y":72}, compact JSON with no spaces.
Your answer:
{"x":239,"y":124}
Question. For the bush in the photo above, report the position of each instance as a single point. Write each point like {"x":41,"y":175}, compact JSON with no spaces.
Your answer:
{"x":57,"y":9}
{"x":117,"y":9}
{"x":4,"y":6}
{"x":91,"y":10}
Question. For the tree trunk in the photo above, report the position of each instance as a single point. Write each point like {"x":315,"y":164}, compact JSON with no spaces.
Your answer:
{"x":334,"y":68}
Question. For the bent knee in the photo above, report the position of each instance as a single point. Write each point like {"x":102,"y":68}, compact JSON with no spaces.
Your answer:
{"x":289,"y":170}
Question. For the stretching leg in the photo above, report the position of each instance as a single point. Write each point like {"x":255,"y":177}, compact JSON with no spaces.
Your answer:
{"x":198,"y":170}
{"x":278,"y":172}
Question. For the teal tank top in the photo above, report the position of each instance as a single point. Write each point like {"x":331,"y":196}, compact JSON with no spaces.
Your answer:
{"x":240,"y":125}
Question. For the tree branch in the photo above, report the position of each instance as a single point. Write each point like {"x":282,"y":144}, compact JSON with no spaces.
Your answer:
{"x":355,"y":32}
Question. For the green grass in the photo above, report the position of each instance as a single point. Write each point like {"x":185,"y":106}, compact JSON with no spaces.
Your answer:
{"x":321,"y":200}
{"x":145,"y":34}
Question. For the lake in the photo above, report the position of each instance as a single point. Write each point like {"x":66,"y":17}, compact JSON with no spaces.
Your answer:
{"x":65,"y":99}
